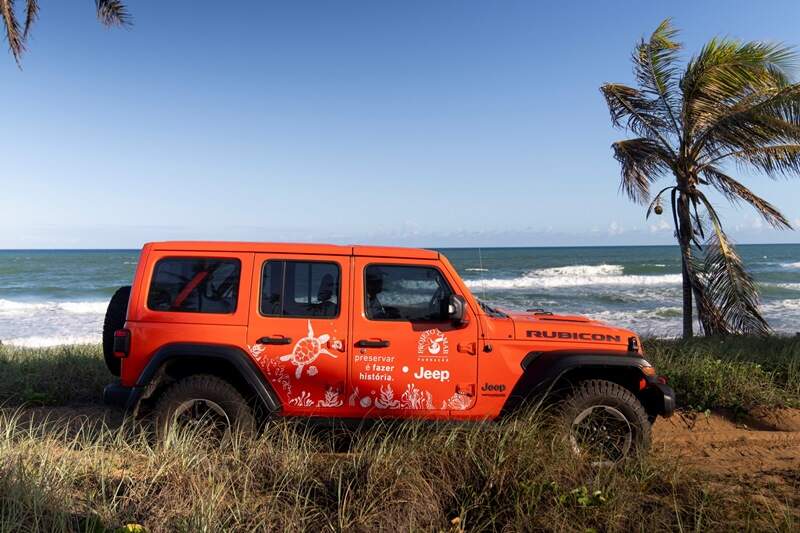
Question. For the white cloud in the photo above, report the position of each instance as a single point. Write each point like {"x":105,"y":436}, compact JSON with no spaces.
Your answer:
{"x":615,"y":228}
{"x":661,"y":225}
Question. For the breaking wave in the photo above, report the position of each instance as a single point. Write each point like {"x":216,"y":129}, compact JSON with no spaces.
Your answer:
{"x":575,"y":276}
{"x":10,"y":307}
{"x":50,"y":323}
{"x":45,"y":342}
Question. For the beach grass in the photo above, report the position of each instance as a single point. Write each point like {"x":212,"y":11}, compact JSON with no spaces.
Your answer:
{"x":737,"y":373}
{"x":60,"y":375}
{"x":79,"y":474}
{"x":405,"y":476}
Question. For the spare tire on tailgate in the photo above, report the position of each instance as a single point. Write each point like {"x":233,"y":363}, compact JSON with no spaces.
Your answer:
{"x":115,"y":319}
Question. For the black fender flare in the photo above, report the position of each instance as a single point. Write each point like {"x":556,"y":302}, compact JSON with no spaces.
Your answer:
{"x":544,"y":370}
{"x":243,"y":364}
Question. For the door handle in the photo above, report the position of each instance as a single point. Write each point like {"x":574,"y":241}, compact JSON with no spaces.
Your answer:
{"x":274,"y":340}
{"x":380,"y":343}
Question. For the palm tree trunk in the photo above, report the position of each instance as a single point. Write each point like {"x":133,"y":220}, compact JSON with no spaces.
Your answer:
{"x":687,"y":298}
{"x":684,"y":239}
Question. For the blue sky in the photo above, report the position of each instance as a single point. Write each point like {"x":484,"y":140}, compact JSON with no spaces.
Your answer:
{"x":446,"y":123}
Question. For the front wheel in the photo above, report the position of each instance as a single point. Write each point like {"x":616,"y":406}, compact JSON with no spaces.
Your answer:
{"x":605,"y":422}
{"x":204,"y":403}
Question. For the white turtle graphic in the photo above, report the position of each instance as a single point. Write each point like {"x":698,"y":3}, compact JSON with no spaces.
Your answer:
{"x":306,"y":351}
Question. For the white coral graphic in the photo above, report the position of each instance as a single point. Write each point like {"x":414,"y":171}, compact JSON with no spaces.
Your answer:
{"x":304,"y":400}
{"x":353,"y":398}
{"x":416,"y":398}
{"x":306,"y":350}
{"x":458,"y":402}
{"x":277,"y":374}
{"x":387,"y":399}
{"x":331,"y":399}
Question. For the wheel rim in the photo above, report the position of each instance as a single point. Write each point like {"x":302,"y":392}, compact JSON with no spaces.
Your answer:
{"x":601,"y":434}
{"x":203,"y":415}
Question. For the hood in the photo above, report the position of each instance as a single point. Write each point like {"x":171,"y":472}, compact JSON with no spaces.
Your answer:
{"x":569,"y":329}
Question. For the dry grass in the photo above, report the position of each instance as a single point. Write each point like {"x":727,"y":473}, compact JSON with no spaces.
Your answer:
{"x":82,"y":475}
{"x":405,"y":476}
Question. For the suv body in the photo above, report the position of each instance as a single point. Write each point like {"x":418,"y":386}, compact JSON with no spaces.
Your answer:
{"x":353,"y":332}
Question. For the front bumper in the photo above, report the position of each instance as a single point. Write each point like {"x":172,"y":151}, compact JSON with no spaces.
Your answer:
{"x":117,"y":395}
{"x":660,"y":399}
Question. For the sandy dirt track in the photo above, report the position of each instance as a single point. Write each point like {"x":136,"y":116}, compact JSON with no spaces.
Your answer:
{"x":758,"y":454}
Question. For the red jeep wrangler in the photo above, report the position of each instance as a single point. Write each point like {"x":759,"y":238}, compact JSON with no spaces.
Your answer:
{"x":226,"y":330}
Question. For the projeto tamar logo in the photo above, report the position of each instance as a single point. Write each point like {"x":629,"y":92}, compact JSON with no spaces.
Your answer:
{"x":432,"y":346}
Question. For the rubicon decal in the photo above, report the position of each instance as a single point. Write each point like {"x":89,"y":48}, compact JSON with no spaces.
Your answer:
{"x":597,"y":337}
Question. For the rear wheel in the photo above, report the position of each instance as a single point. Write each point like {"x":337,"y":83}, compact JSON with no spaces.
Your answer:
{"x":605,"y":422}
{"x":115,"y":319}
{"x":203,"y":403}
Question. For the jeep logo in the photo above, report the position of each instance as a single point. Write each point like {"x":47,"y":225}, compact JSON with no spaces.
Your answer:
{"x":437,"y":375}
{"x":598,"y":337}
{"x":493,"y":387}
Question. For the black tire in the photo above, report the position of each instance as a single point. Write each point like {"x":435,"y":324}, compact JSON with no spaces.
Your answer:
{"x":597,"y":414}
{"x":215,"y":396}
{"x":115,"y":319}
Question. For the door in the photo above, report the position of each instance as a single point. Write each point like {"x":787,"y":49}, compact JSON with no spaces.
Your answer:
{"x":298,"y":329}
{"x":408,"y":356}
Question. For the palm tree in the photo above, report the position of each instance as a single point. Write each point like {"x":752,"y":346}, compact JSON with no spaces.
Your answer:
{"x":109,"y":12}
{"x":731,"y":104}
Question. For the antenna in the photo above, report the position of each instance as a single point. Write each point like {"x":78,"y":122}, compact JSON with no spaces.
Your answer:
{"x":483,"y":278}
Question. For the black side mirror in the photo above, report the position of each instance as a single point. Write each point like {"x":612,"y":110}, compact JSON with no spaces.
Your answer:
{"x":457,"y":308}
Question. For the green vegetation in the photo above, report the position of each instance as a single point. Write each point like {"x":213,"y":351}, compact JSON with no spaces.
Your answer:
{"x":52,"y":376}
{"x":739,"y":373}
{"x":733,"y":105}
{"x":79,"y":474}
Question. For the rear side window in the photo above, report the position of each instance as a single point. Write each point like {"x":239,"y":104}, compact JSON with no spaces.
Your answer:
{"x":195,"y":285}
{"x":411,"y":293}
{"x":300,"y":289}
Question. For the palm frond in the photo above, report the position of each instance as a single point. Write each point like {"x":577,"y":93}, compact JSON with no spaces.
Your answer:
{"x":112,"y":13}
{"x":16,"y":41}
{"x":775,"y":160}
{"x":728,"y":287}
{"x":736,"y":192}
{"x":643,"y":161}
{"x":656,"y":71}
{"x":772,"y":116}
{"x":31,"y":14}
{"x":710,"y":317}
{"x":631,"y":109}
{"x":731,"y":289}
{"x":727,"y":72}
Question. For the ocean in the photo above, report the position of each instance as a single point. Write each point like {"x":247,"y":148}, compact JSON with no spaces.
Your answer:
{"x":58,"y":297}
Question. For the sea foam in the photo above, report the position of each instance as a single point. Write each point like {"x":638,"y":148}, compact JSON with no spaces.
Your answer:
{"x":575,"y":276}
{"x":10,"y":307}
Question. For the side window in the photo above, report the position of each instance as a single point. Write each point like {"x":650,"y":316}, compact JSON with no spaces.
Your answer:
{"x":195,"y":285}
{"x":300,"y":289}
{"x":412,"y":293}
